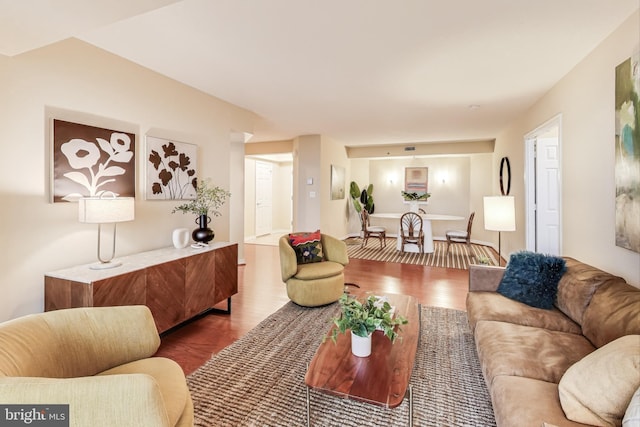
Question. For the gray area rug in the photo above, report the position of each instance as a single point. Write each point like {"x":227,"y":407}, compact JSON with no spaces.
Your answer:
{"x":259,"y":380}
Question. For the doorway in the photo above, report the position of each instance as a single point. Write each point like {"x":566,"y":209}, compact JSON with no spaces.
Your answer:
{"x":268,"y":198}
{"x":264,"y":198}
{"x":543,"y":188}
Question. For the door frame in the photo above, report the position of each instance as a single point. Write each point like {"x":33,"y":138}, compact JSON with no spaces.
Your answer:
{"x":259,"y":164}
{"x":530,"y":180}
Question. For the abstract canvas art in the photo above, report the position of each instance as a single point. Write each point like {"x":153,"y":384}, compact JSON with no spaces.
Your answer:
{"x":171,"y":169}
{"x":337,"y":183}
{"x":416,"y":180}
{"x":627,"y":151}
{"x":90,"y":161}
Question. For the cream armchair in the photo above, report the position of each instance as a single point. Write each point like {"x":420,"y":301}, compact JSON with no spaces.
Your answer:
{"x":316,"y":283}
{"x":96,"y":360}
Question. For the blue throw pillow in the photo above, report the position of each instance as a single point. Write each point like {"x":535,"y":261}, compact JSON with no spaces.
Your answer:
{"x":532,"y":278}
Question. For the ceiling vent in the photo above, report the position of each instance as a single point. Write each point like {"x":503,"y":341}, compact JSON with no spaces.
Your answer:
{"x":411,"y":148}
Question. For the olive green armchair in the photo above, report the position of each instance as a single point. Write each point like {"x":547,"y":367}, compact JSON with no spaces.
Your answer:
{"x":317,"y":283}
{"x":97,"y":360}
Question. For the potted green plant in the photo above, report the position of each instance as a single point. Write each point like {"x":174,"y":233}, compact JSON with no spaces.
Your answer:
{"x":483,"y":260}
{"x":363,"y":318}
{"x":209,"y":198}
{"x":415,"y":197}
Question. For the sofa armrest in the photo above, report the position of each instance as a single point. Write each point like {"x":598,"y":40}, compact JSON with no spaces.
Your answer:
{"x":334,"y":249}
{"x":484,"y":277}
{"x":288,"y":261}
{"x":113,"y":400}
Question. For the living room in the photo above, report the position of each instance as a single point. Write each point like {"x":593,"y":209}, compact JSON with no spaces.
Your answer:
{"x":55,"y":81}
{"x":71,"y":79}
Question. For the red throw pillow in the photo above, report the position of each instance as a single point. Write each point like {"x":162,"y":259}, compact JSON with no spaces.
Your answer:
{"x":307,"y":246}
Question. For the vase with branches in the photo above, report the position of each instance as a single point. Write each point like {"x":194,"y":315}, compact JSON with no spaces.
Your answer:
{"x":209,"y":198}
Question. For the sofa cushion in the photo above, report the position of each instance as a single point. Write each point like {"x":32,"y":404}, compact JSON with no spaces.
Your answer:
{"x":577,"y":286}
{"x":532,"y":278}
{"x":170,"y":378}
{"x":307,"y":246}
{"x":597,"y":389}
{"x":508,"y":349}
{"x":493,"y":306}
{"x":612,"y":313}
{"x":632,"y":414}
{"x":512,"y":399}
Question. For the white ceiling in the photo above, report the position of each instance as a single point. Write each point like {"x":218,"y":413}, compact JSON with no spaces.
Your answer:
{"x":359,"y":71}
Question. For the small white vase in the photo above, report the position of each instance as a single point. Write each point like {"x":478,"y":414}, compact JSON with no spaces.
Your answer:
{"x":360,"y":346}
{"x":414,"y":206}
{"x":180,"y":238}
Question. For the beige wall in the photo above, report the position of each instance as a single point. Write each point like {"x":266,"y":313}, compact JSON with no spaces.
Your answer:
{"x":334,"y":212}
{"x":282,"y":196}
{"x":307,"y":177}
{"x":81,"y":82}
{"x":585,"y":99}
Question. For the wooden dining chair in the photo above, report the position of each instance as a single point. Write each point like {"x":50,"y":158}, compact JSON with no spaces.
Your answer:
{"x":411,"y":231}
{"x":369,"y":231}
{"x":459,"y":236}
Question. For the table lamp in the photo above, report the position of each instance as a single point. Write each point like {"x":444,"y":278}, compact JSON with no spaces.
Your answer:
{"x":499,"y":215}
{"x":106,"y":210}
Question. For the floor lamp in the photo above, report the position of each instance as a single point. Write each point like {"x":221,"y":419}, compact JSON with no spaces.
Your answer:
{"x":105,"y":210}
{"x":499,"y":215}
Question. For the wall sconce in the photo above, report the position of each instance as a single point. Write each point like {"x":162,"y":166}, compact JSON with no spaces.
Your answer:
{"x":499,"y":215}
{"x":106,"y":210}
{"x":392,"y":178}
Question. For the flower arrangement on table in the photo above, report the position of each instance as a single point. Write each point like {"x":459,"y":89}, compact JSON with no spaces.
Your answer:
{"x":364,"y":317}
{"x":208,"y":200}
{"x":415,"y":197}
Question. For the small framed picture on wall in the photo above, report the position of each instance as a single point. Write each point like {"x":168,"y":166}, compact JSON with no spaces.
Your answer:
{"x":416,"y":180}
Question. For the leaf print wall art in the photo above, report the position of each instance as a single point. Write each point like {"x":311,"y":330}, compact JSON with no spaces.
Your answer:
{"x":89,"y":161}
{"x":171,"y":169}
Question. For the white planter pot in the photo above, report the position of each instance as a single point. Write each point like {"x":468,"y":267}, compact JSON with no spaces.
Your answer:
{"x":360,"y":347}
{"x":414,"y":206}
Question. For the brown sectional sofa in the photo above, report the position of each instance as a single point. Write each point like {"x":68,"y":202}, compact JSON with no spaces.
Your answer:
{"x":525,"y":351}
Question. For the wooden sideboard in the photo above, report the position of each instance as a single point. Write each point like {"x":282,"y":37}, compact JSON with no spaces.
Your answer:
{"x":176,"y":284}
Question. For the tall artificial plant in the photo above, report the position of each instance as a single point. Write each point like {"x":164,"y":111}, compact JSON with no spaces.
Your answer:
{"x":362,"y":199}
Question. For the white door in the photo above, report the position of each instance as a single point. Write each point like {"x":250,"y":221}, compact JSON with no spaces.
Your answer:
{"x":264,"y":184}
{"x":543,"y":189}
{"x":547,"y":196}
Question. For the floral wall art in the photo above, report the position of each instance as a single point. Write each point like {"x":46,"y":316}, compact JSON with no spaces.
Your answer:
{"x":627,"y":149}
{"x":171,"y":170}
{"x":89,"y":161}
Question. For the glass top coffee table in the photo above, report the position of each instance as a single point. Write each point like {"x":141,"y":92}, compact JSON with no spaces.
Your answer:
{"x":381,"y":378}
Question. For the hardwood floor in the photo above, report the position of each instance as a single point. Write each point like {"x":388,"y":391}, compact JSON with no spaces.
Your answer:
{"x":261,"y":292}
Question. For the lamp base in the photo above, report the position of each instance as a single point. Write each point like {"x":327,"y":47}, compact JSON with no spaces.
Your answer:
{"x":105,"y":265}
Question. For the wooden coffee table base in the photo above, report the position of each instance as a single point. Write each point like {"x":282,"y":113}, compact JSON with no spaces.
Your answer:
{"x":380,"y":379}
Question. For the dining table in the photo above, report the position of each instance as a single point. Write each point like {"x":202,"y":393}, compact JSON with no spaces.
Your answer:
{"x":427,"y":245}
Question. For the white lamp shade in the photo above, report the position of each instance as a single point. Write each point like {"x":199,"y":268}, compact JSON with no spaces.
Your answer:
{"x":499,"y":213}
{"x":96,"y":210}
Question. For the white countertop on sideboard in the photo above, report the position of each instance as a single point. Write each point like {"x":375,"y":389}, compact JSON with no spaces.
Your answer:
{"x":134,"y":262}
